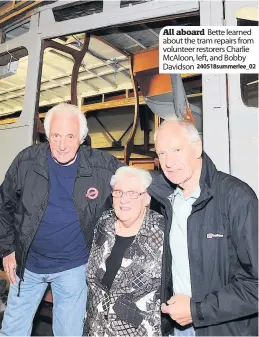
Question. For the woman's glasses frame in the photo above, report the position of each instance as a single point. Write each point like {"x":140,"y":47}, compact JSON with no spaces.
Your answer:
{"x":129,"y":194}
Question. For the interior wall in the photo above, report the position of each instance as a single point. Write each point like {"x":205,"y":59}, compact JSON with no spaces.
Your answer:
{"x":116,"y":122}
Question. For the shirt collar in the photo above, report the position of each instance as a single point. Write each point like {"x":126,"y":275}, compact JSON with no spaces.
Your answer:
{"x":178,"y":191}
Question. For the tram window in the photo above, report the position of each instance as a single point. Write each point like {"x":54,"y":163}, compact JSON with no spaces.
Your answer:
{"x":249,"y":89}
{"x":13,"y":73}
{"x":56,"y":77}
{"x":78,"y":10}
{"x":248,"y":82}
{"x":13,"y":32}
{"x":55,"y":84}
{"x":125,"y":3}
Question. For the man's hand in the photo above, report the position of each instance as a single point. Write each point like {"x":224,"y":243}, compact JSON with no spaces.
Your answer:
{"x":179,"y":309}
{"x":9,"y":264}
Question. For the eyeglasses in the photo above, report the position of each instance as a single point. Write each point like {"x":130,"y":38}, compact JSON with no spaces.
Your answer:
{"x":129,"y":194}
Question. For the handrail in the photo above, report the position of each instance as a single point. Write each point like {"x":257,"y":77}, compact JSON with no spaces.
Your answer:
{"x":130,"y":142}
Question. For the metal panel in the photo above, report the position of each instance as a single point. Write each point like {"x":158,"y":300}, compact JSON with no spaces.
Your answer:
{"x":13,"y":141}
{"x":215,"y":119}
{"x":19,"y":135}
{"x":34,"y":50}
{"x":243,"y":120}
{"x":110,"y":17}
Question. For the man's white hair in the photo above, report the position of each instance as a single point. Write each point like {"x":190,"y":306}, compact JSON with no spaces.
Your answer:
{"x":191,"y":130}
{"x":66,"y":108}
{"x":144,"y":176}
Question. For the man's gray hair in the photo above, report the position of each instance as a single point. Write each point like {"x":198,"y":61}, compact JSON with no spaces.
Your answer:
{"x":66,"y":108}
{"x":191,"y":130}
{"x":144,"y":176}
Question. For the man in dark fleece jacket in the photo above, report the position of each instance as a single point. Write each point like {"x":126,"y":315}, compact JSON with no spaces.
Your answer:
{"x":50,"y":200}
{"x":210,"y":269}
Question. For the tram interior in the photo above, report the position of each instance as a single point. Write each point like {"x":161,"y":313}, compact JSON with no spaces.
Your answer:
{"x":112,"y":74}
{"x":117,"y":78}
{"x":117,"y":86}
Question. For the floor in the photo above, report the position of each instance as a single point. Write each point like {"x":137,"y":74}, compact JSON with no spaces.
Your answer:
{"x":42,"y":325}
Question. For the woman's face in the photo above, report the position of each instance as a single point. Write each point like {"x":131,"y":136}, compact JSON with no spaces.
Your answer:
{"x":130,"y":206}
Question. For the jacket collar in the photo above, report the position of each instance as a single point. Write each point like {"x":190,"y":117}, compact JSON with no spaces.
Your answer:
{"x":208,"y":170}
{"x":207,"y":174}
{"x":84,"y":167}
{"x":41,"y":166}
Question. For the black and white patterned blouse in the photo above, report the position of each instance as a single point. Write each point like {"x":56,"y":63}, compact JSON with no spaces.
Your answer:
{"x":132,"y":305}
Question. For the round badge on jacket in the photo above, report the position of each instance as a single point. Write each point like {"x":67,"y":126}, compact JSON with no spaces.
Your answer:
{"x":92,"y":193}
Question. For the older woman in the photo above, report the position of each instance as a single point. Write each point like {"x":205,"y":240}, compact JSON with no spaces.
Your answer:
{"x":124,"y":267}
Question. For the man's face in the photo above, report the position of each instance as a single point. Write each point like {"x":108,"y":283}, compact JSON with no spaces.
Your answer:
{"x":64,"y":139}
{"x":177,"y":155}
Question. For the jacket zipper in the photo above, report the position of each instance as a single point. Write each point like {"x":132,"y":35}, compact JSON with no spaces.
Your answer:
{"x":45,"y":202}
{"x":76,"y":209}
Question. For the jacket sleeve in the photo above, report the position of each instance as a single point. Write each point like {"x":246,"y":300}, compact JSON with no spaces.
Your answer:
{"x":9,"y":195}
{"x":239,"y":298}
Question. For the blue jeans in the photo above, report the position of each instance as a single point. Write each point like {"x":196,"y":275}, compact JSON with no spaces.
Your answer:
{"x":69,"y":292}
{"x":189,"y":331}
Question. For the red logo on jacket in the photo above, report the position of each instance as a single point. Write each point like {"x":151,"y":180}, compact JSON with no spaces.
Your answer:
{"x":92,"y":193}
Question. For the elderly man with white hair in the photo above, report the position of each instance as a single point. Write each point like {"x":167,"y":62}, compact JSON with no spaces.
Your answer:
{"x":50,"y":200}
{"x":125,"y":263}
{"x":210,"y":269}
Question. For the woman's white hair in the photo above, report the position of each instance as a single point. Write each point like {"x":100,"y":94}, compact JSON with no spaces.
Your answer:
{"x":191,"y":130}
{"x":144,"y":176}
{"x":66,"y":108}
